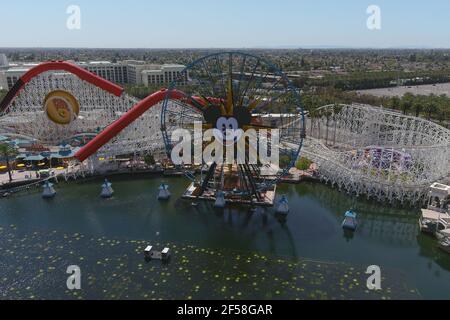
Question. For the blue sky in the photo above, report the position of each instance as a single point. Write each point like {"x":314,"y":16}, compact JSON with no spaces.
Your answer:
{"x":224,"y":23}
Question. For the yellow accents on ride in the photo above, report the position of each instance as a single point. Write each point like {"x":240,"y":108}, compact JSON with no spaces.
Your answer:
{"x":230,"y":103}
{"x":253,"y":104}
{"x":61,"y":107}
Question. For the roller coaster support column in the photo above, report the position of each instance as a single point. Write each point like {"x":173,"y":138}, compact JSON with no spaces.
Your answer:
{"x":116,"y":127}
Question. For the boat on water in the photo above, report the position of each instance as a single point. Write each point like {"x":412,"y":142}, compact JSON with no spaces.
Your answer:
{"x":107,"y":190}
{"x":48,"y":192}
{"x":350,"y":222}
{"x":444,"y":245}
{"x":220,"y":200}
{"x":433,"y":222}
{"x":443,"y":234}
{"x":283,"y":206}
{"x":164,"y":193}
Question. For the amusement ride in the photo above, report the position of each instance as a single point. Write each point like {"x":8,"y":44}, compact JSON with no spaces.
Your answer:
{"x":245,"y":100}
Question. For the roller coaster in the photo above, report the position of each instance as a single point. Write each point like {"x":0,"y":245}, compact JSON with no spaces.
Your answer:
{"x":378,"y":153}
{"x":361,"y":149}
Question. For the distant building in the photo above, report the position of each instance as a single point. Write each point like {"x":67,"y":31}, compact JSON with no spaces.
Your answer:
{"x":114,"y":72}
{"x":3,"y":84}
{"x":135,"y":69}
{"x":13,"y":74}
{"x":165,"y":74}
{"x":125,"y":72}
{"x":3,"y":66}
{"x":3,"y":60}
{"x":136,"y":72}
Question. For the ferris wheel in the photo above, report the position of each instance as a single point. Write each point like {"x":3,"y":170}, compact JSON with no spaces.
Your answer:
{"x":245,"y":104}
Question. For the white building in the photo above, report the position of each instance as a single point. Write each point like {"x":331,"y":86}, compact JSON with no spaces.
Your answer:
{"x":135,"y":72}
{"x":114,"y":72}
{"x":125,"y":72}
{"x":165,"y":74}
{"x":135,"y":69}
{"x":3,"y":60}
{"x":3,"y":84}
{"x":13,"y":74}
{"x":10,"y":75}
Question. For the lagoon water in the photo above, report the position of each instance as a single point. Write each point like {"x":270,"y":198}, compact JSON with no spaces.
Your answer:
{"x":35,"y":231}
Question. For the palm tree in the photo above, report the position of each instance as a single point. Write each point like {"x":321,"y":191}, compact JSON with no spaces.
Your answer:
{"x":312,"y":116}
{"x":407,"y":102}
{"x":336,"y":109}
{"x":418,"y":107}
{"x":327,"y":115}
{"x":395,"y":103}
{"x":7,"y":152}
{"x":430,"y":108}
{"x":318,"y":118}
{"x":2,"y":94}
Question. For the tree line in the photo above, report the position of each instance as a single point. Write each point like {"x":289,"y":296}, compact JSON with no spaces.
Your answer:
{"x":2,"y":94}
{"x":432,"y":107}
{"x":375,"y":79}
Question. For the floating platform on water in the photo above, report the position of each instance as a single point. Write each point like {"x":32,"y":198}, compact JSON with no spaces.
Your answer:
{"x":107,"y":190}
{"x":350,"y":222}
{"x":164,"y":193}
{"x":48,"y":192}
{"x":267,"y":197}
{"x":173,"y":173}
{"x":163,"y":255}
{"x":283,"y":206}
{"x":220,"y":202}
{"x":296,"y":176}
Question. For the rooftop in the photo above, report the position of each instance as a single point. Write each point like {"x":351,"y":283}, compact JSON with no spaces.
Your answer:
{"x":173,"y":65}
{"x":99,"y":62}
{"x":440,"y":187}
{"x":17,"y":70}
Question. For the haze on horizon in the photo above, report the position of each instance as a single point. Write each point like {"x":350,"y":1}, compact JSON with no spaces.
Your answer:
{"x":252,"y":24}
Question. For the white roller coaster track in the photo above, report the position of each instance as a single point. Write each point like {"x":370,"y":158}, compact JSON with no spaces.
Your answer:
{"x":378,"y":153}
{"x":98,"y":109}
{"x":360,"y":149}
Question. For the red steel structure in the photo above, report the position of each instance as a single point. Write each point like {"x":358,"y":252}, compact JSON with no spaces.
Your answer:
{"x":134,"y":113}
{"x":54,"y":66}
{"x":116,"y":127}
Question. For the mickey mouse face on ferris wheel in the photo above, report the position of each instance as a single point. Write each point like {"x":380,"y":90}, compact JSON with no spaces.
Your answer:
{"x":228,"y":128}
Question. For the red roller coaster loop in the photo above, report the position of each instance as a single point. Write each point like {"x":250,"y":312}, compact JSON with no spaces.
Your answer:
{"x":135,"y":112}
{"x":116,"y":127}
{"x":58,"y":65}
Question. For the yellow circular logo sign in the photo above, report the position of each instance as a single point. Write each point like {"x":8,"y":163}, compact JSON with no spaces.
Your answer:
{"x":61,"y":107}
